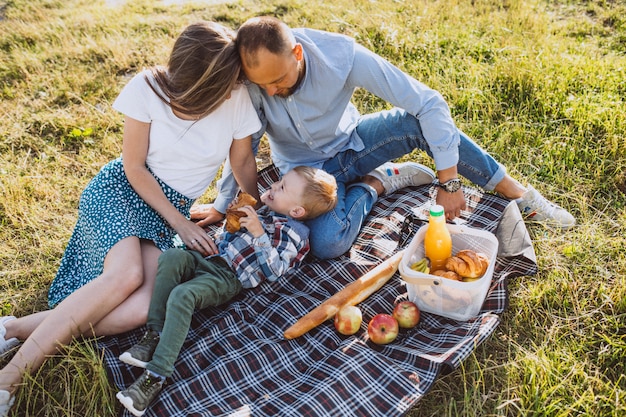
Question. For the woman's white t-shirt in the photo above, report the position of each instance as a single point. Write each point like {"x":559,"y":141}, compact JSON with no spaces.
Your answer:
{"x":187,"y":154}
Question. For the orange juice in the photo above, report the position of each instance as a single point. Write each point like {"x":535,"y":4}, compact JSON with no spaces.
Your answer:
{"x":437,"y":240}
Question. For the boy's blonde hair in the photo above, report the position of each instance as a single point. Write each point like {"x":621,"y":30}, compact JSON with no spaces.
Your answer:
{"x":320,"y":194}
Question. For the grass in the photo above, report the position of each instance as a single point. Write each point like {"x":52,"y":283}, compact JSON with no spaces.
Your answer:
{"x":540,"y":84}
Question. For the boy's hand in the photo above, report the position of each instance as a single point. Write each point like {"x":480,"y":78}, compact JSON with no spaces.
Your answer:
{"x":251,"y":221}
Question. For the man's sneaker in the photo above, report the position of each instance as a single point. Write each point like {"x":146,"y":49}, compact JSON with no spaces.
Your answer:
{"x":537,"y":208}
{"x":399,"y":175}
{"x":6,"y":345}
{"x":140,"y":354}
{"x":6,"y":402}
{"x":137,"y":397}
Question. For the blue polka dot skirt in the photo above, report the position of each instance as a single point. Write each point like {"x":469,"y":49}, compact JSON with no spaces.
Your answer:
{"x":109,"y":211}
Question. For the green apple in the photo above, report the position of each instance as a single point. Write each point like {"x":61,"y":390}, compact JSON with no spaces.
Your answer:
{"x":348,"y":320}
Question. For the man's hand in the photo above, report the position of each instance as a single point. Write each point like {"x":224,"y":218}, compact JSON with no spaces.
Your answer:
{"x":452,"y":203}
{"x":206,"y":214}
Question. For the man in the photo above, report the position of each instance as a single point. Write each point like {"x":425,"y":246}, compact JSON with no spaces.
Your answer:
{"x":301,"y":83}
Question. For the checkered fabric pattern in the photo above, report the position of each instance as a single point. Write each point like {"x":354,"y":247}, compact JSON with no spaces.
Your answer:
{"x":235,"y":361}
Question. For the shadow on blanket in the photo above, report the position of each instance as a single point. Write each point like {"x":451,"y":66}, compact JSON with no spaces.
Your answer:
{"x":236,"y":362}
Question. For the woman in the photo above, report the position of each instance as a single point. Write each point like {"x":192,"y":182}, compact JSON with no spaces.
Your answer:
{"x":181,"y":123}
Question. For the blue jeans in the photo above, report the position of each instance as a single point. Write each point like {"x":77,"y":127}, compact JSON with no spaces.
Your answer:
{"x":386,"y":135}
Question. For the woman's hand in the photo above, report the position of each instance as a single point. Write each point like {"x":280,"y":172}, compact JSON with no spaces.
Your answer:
{"x":195,"y":237}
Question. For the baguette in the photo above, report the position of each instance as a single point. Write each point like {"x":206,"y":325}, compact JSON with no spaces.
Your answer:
{"x":352,"y":294}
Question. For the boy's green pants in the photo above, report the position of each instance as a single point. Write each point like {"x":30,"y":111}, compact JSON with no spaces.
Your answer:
{"x":185,"y":281}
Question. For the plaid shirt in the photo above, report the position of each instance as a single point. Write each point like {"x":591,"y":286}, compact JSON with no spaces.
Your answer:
{"x":284,"y":245}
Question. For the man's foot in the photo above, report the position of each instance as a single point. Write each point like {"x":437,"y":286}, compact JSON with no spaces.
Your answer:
{"x":399,"y":175}
{"x":537,"y":208}
{"x":6,"y":402}
{"x":137,"y":397}
{"x":140,"y":354}
{"x":6,"y":345}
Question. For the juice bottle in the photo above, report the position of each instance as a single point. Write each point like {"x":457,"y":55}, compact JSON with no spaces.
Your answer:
{"x":437,"y":241}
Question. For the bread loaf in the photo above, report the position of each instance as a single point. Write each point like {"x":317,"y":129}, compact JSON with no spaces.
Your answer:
{"x":352,"y":294}
{"x":233,"y":214}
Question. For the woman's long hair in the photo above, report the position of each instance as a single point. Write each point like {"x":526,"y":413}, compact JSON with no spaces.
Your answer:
{"x":203,"y":68}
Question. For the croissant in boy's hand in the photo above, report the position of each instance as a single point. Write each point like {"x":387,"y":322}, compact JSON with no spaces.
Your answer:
{"x":233,"y":214}
{"x":468,"y":264}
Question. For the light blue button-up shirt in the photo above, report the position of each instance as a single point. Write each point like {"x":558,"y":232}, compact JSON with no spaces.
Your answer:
{"x":318,"y":120}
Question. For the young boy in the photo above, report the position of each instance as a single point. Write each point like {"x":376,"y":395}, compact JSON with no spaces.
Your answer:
{"x":270,"y":242}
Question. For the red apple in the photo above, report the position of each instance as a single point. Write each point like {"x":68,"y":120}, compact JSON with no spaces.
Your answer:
{"x":348,"y":320}
{"x":382,"y":329}
{"x":407,"y":314}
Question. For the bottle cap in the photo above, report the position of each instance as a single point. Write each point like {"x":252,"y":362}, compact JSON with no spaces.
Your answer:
{"x":436,"y":210}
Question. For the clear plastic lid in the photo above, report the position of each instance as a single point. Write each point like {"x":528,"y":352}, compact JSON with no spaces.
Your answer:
{"x":436,"y":210}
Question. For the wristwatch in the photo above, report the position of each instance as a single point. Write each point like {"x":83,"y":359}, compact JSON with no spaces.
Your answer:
{"x":451,"y":186}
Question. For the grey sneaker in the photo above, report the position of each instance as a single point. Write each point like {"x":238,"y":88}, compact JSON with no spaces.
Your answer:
{"x":6,"y":345}
{"x":6,"y":402}
{"x":537,"y":208}
{"x":140,"y":354}
{"x":137,"y":397}
{"x":399,"y":175}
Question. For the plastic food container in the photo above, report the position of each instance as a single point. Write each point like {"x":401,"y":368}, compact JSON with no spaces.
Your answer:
{"x":446,"y":297}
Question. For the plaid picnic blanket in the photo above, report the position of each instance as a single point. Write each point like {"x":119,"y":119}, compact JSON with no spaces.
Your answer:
{"x":235,"y":361}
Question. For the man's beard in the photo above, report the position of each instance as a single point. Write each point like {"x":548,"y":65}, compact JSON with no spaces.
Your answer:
{"x":293,"y":88}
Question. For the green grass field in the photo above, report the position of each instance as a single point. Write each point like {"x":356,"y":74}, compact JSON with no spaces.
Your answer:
{"x":541,"y":84}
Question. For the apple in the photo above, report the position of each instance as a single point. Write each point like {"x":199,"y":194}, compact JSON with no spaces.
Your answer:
{"x":382,"y":329}
{"x":407,"y":314}
{"x":348,"y":320}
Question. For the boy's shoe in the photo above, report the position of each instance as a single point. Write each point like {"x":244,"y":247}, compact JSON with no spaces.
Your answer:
{"x":399,"y":175}
{"x":537,"y":208}
{"x":140,"y":354}
{"x":137,"y":397}
{"x":6,"y":402}
{"x":6,"y":344}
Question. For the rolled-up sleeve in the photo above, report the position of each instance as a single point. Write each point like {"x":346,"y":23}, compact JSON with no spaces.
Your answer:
{"x":380,"y":77}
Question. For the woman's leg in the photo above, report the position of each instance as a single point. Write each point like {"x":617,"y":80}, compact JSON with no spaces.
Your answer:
{"x":129,"y":315}
{"x":22,"y":327}
{"x":122,"y":275}
{"x":133,"y":311}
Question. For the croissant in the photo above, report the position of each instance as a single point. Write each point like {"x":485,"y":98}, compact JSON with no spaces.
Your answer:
{"x":233,"y":215}
{"x":447,"y":274}
{"x":468,"y":264}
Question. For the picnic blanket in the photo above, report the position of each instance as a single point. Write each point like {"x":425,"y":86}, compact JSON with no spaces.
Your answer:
{"x":235,"y":361}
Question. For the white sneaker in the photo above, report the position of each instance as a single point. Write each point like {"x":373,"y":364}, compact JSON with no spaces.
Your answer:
{"x":6,"y":344}
{"x":537,"y":208}
{"x":6,"y":402}
{"x":399,"y":175}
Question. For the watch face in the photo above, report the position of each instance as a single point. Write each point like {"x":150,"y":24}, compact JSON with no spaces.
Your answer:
{"x":451,"y":186}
